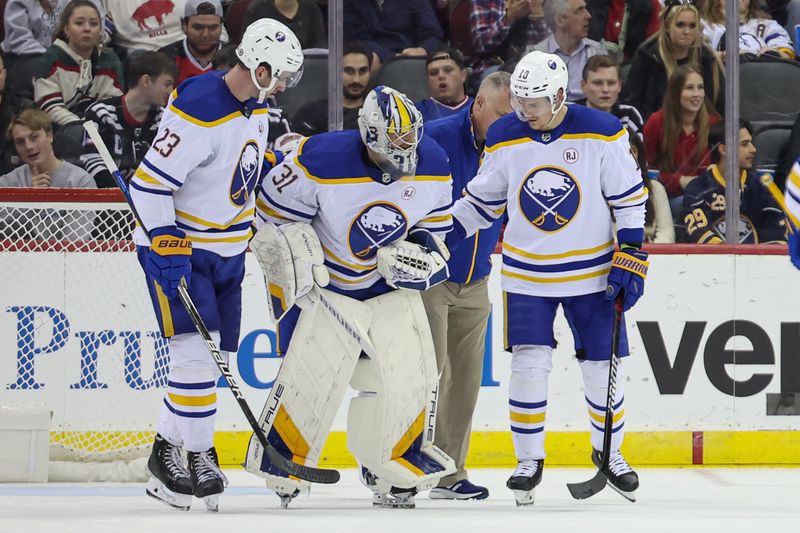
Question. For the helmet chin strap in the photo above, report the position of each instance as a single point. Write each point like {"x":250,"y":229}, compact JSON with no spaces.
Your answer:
{"x":555,"y":111}
{"x":262,"y":91}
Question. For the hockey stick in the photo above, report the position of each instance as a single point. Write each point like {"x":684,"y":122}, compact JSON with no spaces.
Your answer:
{"x":587,"y":489}
{"x":315,"y":475}
{"x":776,"y":193}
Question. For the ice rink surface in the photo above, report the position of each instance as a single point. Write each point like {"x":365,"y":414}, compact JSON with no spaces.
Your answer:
{"x":704,"y":500}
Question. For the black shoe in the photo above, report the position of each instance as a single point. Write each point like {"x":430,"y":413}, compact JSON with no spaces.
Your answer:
{"x":209,"y":481}
{"x":170,"y":480}
{"x":621,"y":476}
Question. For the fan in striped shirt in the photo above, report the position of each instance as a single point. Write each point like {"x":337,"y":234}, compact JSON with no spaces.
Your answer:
{"x":129,"y":123}
{"x":601,"y":84}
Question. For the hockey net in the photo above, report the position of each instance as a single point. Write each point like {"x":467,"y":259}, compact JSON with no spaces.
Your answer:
{"x":77,"y":331}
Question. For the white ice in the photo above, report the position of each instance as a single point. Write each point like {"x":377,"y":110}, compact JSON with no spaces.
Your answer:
{"x":703,"y":500}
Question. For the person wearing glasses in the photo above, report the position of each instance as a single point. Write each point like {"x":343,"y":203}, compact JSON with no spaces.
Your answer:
{"x":679,"y":41}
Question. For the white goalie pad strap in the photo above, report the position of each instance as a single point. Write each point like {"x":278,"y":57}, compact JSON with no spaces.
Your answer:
{"x":408,"y":265}
{"x":390,"y":425}
{"x":308,"y":390}
{"x":291,"y":259}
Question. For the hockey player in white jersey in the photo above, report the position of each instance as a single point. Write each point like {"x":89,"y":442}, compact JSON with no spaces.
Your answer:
{"x":792,"y":203}
{"x":194,"y":192}
{"x":366,"y":211}
{"x":560,"y":171}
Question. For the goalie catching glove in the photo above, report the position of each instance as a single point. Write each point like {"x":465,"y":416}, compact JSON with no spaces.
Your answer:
{"x":169,"y":259}
{"x":628,"y":272}
{"x":418,"y":263}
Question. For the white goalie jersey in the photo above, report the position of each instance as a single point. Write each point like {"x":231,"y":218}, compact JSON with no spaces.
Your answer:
{"x":328,"y":183}
{"x":560,"y":188}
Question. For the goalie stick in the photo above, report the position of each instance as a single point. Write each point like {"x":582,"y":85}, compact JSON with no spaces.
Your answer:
{"x":587,"y":489}
{"x":308,"y":473}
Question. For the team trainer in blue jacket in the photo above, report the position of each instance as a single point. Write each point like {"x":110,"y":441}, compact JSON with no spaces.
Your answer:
{"x":458,"y":309}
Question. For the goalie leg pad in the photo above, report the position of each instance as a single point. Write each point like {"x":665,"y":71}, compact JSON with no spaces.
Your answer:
{"x":307,"y":391}
{"x":390,"y":425}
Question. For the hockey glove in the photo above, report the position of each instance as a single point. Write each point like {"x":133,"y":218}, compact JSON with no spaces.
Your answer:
{"x":409,"y":265}
{"x":628,"y":272}
{"x":169,"y":260}
{"x":794,"y":248}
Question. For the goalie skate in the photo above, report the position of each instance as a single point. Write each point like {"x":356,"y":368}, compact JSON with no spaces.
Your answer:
{"x":524,"y":480}
{"x":169,"y":481}
{"x":384,"y":495}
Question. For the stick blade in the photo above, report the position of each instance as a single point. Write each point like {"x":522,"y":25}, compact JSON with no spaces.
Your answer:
{"x":308,"y":473}
{"x":587,"y":489}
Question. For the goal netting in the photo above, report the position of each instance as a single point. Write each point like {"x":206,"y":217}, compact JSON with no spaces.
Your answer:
{"x":77,"y":332}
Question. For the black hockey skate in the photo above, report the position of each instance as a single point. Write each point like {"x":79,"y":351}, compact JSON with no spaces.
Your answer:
{"x":209,"y":481}
{"x":385,"y":495}
{"x":621,"y":477}
{"x":524,"y":480}
{"x":170,"y":481}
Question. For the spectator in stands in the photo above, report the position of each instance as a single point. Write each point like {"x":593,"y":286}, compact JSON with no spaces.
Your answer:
{"x":760,"y":218}
{"x":31,"y":133}
{"x":676,"y":137}
{"x":446,"y":80}
{"x":202,"y":24}
{"x":147,"y":24}
{"x":10,"y":105}
{"x":75,"y":71}
{"x":393,"y":28}
{"x":225,"y":57}
{"x":30,"y":26}
{"x":601,"y":85}
{"x":658,"y":225}
{"x":678,"y":42}
{"x":757,"y":34}
{"x":303,"y":17}
{"x":312,"y":118}
{"x":568,"y":21}
{"x":129,"y":123}
{"x":639,"y":19}
{"x":494,"y":32}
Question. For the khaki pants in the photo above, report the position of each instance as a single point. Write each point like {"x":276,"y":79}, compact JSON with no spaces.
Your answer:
{"x":458,"y":316}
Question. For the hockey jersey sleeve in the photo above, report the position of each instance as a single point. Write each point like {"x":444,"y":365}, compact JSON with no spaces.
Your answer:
{"x":440,"y":219}
{"x":485,"y":196}
{"x":90,"y":158}
{"x":793,"y":191}
{"x":286,"y":195}
{"x":180,"y":146}
{"x":623,"y":187}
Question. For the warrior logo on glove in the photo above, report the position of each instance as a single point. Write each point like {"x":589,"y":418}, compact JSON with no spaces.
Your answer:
{"x":377,"y":224}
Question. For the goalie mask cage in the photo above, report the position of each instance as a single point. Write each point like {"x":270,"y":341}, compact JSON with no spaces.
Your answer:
{"x":78,"y":334}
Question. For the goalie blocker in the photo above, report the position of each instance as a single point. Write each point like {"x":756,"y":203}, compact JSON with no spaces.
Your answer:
{"x":391,"y":422}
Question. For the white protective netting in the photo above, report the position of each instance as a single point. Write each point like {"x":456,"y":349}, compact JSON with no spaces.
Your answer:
{"x":77,"y":332}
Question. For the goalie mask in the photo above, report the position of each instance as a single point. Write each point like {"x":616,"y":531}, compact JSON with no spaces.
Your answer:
{"x":538,"y":75}
{"x":268,"y":41}
{"x":391,"y":128}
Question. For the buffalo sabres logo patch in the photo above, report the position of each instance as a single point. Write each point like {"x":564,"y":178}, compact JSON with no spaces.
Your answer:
{"x":375,"y":225}
{"x":549,"y":198}
{"x":745,"y":228}
{"x":245,"y":176}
